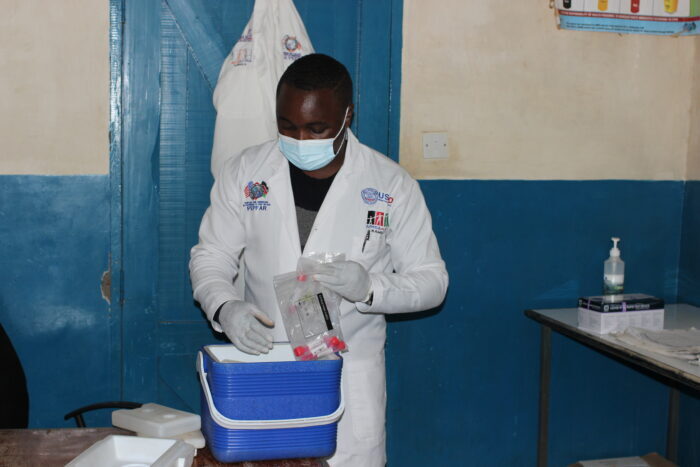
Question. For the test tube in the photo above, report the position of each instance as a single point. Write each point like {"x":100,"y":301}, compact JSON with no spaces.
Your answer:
{"x":634,"y":8}
{"x":603,"y":5}
{"x":671,"y":6}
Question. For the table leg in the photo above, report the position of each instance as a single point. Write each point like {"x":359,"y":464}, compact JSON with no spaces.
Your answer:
{"x":545,"y":371}
{"x":674,"y":402}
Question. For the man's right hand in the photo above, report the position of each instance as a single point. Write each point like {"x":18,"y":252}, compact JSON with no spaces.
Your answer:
{"x":243,"y":324}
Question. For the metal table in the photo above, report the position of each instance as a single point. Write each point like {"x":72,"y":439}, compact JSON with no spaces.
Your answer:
{"x":57,"y":447}
{"x":676,"y":373}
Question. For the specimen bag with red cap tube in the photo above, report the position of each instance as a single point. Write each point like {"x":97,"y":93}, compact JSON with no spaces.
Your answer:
{"x":310,"y":311}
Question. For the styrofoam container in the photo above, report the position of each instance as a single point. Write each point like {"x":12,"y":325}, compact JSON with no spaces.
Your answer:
{"x":131,"y":451}
{"x":156,"y":420}
{"x":269,"y":406}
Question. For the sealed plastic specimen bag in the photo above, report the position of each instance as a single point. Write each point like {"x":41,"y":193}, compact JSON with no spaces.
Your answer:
{"x":310,"y":311}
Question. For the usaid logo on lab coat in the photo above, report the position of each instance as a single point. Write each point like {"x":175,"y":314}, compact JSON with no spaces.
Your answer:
{"x":371,"y":196}
{"x":255,"y":191}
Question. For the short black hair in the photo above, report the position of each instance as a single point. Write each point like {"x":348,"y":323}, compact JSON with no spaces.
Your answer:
{"x":319,"y":71}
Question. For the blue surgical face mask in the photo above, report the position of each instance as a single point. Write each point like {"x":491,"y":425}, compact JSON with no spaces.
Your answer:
{"x":311,"y":154}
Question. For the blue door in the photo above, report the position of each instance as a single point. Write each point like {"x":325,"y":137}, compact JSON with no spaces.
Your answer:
{"x":166,"y":56}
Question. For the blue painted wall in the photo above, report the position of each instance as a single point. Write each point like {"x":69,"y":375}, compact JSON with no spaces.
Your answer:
{"x":463,"y":383}
{"x":54,"y":247}
{"x":689,"y":284}
{"x":689,"y":292}
{"x":453,"y":394}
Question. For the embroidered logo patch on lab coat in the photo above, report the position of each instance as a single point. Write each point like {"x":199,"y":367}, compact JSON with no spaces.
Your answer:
{"x":255,"y":191}
{"x":377,"y":221}
{"x":372,"y":195}
{"x":293,"y":48}
{"x":242,"y":53}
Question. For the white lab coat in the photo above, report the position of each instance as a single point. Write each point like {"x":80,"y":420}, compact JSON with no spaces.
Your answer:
{"x":244,"y":96}
{"x":370,"y":192}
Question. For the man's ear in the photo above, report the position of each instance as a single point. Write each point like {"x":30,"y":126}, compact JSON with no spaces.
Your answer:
{"x":351,"y":113}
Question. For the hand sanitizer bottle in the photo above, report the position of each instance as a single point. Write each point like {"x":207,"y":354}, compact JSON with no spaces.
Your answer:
{"x":614,"y":271}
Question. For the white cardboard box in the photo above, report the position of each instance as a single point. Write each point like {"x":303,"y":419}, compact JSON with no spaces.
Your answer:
{"x":647,"y":460}
{"x":605,"y":323}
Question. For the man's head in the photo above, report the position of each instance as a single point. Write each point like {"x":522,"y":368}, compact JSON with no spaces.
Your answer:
{"x":314,"y":102}
{"x":318,"y":71}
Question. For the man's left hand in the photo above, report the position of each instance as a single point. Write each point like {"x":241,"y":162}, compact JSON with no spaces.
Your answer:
{"x":347,"y":278}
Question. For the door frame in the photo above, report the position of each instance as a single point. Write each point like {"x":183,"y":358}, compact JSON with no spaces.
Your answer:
{"x":134,"y":137}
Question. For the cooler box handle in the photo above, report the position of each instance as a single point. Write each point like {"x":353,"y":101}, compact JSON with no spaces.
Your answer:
{"x":232,"y":424}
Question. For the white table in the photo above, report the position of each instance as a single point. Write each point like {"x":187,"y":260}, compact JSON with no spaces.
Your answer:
{"x":677,"y":373}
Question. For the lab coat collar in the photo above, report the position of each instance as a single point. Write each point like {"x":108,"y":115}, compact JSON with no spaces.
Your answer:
{"x":352,"y":155}
{"x":280,"y":176}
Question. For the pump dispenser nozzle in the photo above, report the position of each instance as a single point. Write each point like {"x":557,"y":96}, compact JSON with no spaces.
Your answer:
{"x":615,"y":251}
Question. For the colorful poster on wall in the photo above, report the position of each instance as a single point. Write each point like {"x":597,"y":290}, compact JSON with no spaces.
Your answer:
{"x":660,"y":17}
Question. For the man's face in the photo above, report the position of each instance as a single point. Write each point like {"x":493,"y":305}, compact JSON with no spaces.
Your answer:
{"x":316,"y":114}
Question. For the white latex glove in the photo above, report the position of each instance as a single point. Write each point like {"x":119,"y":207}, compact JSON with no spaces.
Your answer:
{"x":243,"y":324}
{"x":347,"y":278}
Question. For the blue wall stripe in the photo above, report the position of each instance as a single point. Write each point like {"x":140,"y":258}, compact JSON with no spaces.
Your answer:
{"x":508,"y":246}
{"x":462,"y":382}
{"x":689,"y":292}
{"x":54,"y":247}
{"x":689,"y":286}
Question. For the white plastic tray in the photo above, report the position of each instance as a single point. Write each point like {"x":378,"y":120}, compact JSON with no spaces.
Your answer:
{"x":195,"y":438}
{"x":131,"y":451}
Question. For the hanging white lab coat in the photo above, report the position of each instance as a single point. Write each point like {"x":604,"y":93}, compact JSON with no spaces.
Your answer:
{"x":252,"y":210}
{"x":244,"y":96}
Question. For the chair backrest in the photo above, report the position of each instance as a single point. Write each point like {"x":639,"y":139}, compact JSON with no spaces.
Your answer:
{"x":78,"y":413}
{"x":13,"y":386}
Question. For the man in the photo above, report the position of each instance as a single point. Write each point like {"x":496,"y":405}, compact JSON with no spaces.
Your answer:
{"x":318,"y":189}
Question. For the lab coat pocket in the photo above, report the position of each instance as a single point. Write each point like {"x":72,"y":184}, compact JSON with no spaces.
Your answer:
{"x":368,"y":248}
{"x":367,"y":399}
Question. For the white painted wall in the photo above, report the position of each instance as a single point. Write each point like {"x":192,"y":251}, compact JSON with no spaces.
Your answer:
{"x":520,"y":99}
{"x":523,"y":100}
{"x":693,"y":170}
{"x":54,"y":97}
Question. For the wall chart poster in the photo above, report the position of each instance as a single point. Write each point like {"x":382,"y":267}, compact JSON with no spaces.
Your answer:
{"x":661,"y":17}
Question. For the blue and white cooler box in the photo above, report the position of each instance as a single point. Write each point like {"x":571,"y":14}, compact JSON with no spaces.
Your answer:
{"x":268,"y":406}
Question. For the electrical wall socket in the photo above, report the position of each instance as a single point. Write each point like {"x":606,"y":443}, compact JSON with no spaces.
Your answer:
{"x":435,"y":145}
